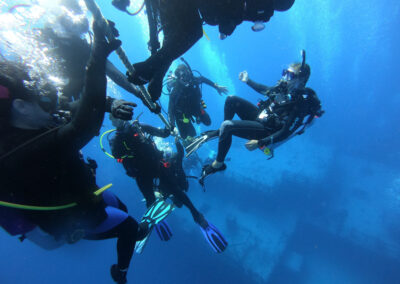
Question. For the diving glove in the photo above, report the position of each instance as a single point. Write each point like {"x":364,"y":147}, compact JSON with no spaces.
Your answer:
{"x":122,"y":109}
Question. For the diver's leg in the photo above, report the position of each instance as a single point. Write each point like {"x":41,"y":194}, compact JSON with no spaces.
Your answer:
{"x":185,"y":129}
{"x":243,"y":108}
{"x":112,"y":200}
{"x":241,"y":128}
{"x":190,"y":129}
{"x":181,"y":128}
{"x":205,"y":117}
{"x":121,"y":226}
{"x":145,"y":184}
{"x":184,"y":199}
{"x":182,"y":27}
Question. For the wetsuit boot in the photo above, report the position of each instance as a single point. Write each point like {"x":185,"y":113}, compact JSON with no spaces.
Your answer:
{"x":118,"y":275}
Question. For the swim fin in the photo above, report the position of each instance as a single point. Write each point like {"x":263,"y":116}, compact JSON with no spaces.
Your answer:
{"x":154,"y":215}
{"x":163,"y":231}
{"x":199,"y":141}
{"x":141,"y":244}
{"x":209,"y":170}
{"x":157,"y":212}
{"x":214,"y":237}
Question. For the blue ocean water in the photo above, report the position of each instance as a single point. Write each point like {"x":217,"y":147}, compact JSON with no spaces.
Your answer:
{"x":324,"y":210}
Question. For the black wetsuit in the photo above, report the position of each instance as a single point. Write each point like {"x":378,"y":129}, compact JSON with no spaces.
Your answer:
{"x":45,"y":168}
{"x":134,"y":147}
{"x":185,"y":102}
{"x":273,"y":121}
{"x":182,"y":27}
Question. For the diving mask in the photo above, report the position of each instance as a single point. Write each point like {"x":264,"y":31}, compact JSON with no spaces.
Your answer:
{"x":288,"y":75}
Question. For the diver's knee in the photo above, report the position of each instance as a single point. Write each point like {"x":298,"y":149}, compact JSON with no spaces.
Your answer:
{"x":131,"y":228}
{"x":207,"y":122}
{"x":226,"y":126}
{"x":229,"y":99}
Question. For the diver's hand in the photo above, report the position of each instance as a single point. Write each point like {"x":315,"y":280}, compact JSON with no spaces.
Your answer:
{"x":244,"y":76}
{"x":122,"y":109}
{"x":157,"y":109}
{"x":221,"y":89}
{"x":113,"y":29}
{"x":251,"y":145}
{"x":166,"y":132}
{"x":101,"y":47}
{"x":174,"y":131}
{"x":121,"y":4}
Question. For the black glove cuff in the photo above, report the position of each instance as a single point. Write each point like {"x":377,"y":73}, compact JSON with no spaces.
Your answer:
{"x":109,"y":102}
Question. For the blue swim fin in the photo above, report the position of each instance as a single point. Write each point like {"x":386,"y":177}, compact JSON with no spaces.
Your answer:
{"x":139,"y":246}
{"x":153,"y":216}
{"x":157,"y":212}
{"x":214,"y":238}
{"x":163,"y":231}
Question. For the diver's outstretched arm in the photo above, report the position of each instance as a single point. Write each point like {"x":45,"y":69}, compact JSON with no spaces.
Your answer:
{"x":89,"y":116}
{"x":120,"y":79}
{"x":220,"y":89}
{"x":260,"y":88}
{"x":154,"y":131}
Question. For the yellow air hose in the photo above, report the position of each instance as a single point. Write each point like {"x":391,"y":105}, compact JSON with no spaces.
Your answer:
{"x":206,"y":35}
{"x":101,"y":143}
{"x":50,"y":208}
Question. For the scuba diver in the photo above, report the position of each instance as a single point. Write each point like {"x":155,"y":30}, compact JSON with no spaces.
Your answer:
{"x":46,"y":183}
{"x":185,"y":100}
{"x":182,"y":25}
{"x":289,"y":109}
{"x":133,"y":146}
{"x":66,"y":42}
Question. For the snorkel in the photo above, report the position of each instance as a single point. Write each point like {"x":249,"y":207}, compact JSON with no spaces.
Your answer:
{"x":187,"y":65}
{"x":297,"y":74}
{"x":303,"y":61}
